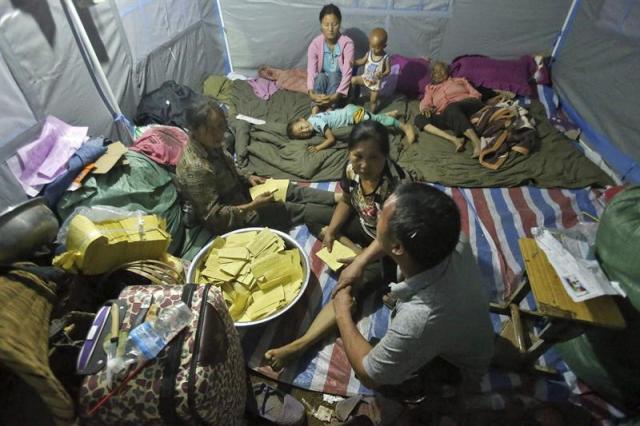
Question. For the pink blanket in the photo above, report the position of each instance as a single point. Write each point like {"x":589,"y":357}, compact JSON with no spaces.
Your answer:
{"x":294,"y":79}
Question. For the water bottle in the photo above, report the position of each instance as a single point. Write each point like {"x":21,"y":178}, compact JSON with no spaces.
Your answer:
{"x":147,"y":340}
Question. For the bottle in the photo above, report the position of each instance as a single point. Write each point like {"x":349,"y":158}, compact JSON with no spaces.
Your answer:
{"x":148,"y":339}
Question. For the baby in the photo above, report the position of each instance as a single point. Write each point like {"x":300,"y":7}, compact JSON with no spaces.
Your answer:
{"x":376,"y":65}
{"x":324,"y":122}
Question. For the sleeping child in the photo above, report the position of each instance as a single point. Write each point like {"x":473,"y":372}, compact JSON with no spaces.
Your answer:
{"x":376,"y":66}
{"x":324,"y":122}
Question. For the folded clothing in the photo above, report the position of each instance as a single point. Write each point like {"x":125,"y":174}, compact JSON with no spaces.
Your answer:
{"x":89,"y":152}
{"x":163,"y":144}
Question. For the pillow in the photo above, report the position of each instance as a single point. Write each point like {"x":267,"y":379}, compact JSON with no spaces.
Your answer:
{"x":414,"y":75}
{"x":511,"y":75}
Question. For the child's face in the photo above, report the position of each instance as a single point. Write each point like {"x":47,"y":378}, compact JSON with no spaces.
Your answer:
{"x":376,"y":44}
{"x":302,"y":129}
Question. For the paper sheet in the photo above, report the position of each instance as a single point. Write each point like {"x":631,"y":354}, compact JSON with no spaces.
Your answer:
{"x":340,"y":251}
{"x":568,"y":253}
{"x":280,"y":187}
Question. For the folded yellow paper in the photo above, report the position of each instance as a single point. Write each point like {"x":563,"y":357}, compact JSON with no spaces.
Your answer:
{"x":256,"y":275}
{"x":278,"y":187}
{"x":339,"y":251}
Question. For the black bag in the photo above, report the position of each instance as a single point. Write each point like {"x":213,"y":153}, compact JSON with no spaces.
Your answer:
{"x":167,"y":105}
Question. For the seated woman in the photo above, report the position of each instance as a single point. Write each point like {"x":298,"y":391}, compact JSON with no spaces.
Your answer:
{"x":329,"y":58}
{"x":369,"y":178}
{"x":447,"y":105}
{"x":219,"y":193}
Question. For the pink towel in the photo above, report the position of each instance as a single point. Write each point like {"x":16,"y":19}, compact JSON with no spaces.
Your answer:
{"x":294,"y":79}
{"x":163,"y":144}
{"x":263,"y":88}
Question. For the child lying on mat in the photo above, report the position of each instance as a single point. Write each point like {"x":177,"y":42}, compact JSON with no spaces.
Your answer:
{"x":324,"y":122}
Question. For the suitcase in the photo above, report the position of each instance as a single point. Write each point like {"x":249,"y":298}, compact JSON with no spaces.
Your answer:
{"x":198,"y":378}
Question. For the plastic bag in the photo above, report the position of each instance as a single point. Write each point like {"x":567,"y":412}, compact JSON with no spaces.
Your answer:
{"x":97,"y":214}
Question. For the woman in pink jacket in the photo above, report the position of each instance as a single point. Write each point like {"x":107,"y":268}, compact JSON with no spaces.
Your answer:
{"x":329,"y":60}
{"x":447,"y":105}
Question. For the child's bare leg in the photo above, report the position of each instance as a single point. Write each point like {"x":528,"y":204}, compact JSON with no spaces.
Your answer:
{"x":458,"y":142}
{"x":373,"y":100}
{"x":407,"y":128}
{"x":357,"y":80}
{"x":324,"y":322}
{"x":475,"y":140}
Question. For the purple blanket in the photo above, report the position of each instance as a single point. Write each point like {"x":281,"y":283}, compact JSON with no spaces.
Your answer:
{"x":512,"y":75}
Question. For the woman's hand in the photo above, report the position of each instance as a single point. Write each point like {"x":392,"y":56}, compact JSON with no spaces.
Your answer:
{"x":327,"y":241}
{"x":349,"y":276}
{"x":256,"y":180}
{"x":262,"y":199}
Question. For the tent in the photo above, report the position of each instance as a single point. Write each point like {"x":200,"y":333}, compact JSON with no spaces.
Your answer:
{"x":90,"y":62}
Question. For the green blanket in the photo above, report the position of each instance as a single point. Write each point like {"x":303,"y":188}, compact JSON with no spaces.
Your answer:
{"x":144,"y":185}
{"x":265,"y":150}
{"x":556,"y":163}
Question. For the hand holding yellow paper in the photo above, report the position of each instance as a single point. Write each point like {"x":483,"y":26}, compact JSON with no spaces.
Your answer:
{"x":339,"y":251}
{"x":277,"y":187}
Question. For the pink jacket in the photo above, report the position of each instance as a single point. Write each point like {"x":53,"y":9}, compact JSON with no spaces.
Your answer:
{"x":315,"y":56}
{"x":449,"y":91}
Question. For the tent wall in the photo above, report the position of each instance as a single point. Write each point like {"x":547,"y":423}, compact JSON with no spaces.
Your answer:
{"x":503,"y":28}
{"x":434,"y":28}
{"x":150,"y":42}
{"x":138,"y":44}
{"x":597,"y":75}
{"x":41,"y":73}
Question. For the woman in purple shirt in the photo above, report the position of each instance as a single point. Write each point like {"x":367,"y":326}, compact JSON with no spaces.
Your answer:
{"x":329,"y":58}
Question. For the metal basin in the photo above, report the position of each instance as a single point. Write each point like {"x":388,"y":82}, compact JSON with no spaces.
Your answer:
{"x":289,"y":242}
{"x":25,"y":228}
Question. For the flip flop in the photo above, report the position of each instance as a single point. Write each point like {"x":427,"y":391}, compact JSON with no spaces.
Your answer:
{"x":277,"y":406}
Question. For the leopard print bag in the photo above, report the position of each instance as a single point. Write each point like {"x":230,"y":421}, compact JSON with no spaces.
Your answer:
{"x":199,"y":378}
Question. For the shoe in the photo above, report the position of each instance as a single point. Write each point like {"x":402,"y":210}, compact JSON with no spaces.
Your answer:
{"x":277,"y":406}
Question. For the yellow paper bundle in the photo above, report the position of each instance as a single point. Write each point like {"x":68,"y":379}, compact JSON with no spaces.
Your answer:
{"x":96,"y":248}
{"x":257,"y":275}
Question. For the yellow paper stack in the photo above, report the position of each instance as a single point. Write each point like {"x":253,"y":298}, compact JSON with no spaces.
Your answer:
{"x":96,"y":248}
{"x":257,"y":275}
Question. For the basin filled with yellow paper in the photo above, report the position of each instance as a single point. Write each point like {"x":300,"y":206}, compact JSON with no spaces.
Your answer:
{"x":261,"y":272}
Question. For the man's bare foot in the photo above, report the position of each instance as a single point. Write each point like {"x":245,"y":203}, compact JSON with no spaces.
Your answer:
{"x":278,"y":358}
{"x":395,"y":113}
{"x":459,"y":143}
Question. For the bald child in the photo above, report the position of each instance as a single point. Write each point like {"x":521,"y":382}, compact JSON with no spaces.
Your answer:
{"x":376,"y":66}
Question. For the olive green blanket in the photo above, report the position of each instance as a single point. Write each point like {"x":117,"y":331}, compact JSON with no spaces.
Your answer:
{"x":265,"y":149}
